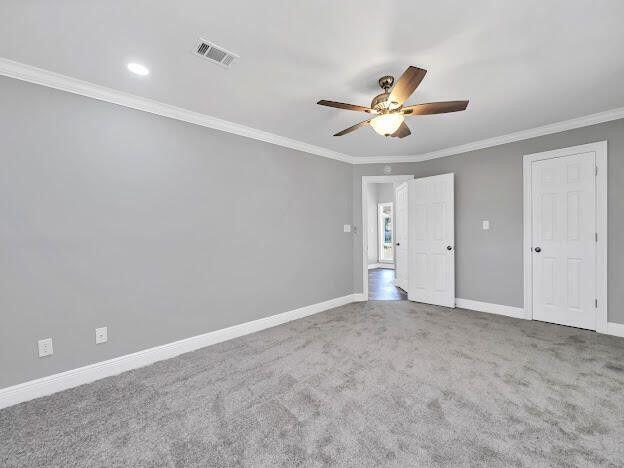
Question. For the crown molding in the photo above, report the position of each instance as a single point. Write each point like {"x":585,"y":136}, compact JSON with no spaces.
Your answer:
{"x":591,"y":119}
{"x":24,"y":72}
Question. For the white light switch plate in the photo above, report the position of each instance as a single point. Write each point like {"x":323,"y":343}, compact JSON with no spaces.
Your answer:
{"x":347,"y":228}
{"x":45,"y":347}
{"x":101,"y":335}
{"x":486,"y":224}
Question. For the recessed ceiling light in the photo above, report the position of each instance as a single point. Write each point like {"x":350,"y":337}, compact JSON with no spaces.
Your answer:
{"x":138,"y":69}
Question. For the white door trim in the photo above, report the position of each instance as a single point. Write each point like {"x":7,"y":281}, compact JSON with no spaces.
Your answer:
{"x":395,"y":179}
{"x":600,"y":149}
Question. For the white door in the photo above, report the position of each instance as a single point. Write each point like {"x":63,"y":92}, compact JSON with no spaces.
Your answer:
{"x":432,"y":240}
{"x":563,"y":199}
{"x":401,"y":222}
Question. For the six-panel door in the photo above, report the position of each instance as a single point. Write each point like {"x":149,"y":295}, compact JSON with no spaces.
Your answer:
{"x":563,"y":196}
{"x":432,"y":240}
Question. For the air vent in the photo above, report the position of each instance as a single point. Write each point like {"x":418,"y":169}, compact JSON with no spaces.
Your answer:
{"x":215,"y":53}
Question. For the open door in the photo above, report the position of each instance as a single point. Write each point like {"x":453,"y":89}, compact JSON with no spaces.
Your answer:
{"x":431,"y":240}
{"x":400,"y":230}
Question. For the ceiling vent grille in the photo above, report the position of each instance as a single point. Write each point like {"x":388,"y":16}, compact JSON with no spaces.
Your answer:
{"x":215,"y":53}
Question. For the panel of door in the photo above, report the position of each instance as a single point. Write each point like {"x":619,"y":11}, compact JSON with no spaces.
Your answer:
{"x":563,"y":198}
{"x":401,"y":238}
{"x":431,"y":235}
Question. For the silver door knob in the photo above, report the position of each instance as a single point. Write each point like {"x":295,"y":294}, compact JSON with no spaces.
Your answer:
{"x":449,"y":247}
{"x":538,"y":249}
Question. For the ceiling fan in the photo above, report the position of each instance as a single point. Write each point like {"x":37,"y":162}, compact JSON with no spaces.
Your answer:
{"x":388,"y":106}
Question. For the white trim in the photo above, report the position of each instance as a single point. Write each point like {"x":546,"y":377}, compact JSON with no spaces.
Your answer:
{"x":364,"y":217}
{"x":21,"y":71}
{"x":600,"y":149}
{"x":615,"y":329}
{"x":584,"y":121}
{"x":82,"y":375}
{"x":372,"y":266}
{"x":508,"y":311}
{"x":24,"y":72}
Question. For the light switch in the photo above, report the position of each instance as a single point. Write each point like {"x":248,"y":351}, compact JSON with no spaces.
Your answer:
{"x":347,"y":228}
{"x":486,"y":224}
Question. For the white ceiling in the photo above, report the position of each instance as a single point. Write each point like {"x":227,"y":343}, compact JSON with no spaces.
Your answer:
{"x":521,"y":64}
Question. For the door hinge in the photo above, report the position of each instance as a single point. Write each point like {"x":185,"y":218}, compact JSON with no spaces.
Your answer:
{"x":596,"y":171}
{"x":596,"y":303}
{"x":596,"y":237}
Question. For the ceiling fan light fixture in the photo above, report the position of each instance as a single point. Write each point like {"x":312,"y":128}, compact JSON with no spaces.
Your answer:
{"x":138,"y":69}
{"x":387,"y":124}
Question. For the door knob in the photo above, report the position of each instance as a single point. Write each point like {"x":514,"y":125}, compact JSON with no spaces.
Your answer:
{"x":398,"y":243}
{"x":538,"y":249}
{"x":449,"y":247}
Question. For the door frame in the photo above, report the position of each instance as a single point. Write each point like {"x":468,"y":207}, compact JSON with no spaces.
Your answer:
{"x":600,"y":149}
{"x":380,"y":242}
{"x":394,"y":179}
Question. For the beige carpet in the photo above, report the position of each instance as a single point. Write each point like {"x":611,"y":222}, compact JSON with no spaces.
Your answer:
{"x":368,"y":384}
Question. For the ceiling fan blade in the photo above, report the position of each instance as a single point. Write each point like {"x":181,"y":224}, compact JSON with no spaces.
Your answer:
{"x":402,"y":132}
{"x":342,"y":105}
{"x":407,"y":84}
{"x":353,"y":127}
{"x":435,"y":108}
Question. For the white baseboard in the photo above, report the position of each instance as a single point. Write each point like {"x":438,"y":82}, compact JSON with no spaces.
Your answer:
{"x":372,"y":266}
{"x":82,"y":375}
{"x":616,"y":329}
{"x":359,"y":297}
{"x":508,"y":311}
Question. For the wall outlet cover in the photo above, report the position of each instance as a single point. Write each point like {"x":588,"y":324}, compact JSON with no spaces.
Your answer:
{"x":347,"y":228}
{"x":486,"y":224}
{"x":45,"y":347}
{"x":101,"y":335}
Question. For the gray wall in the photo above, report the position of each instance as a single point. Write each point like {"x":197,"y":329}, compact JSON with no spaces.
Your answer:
{"x":373,"y":194}
{"x":156,"y":228}
{"x":488,"y":185}
{"x":385,"y":193}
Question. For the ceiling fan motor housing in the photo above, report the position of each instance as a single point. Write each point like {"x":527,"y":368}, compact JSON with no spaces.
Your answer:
{"x":381,"y":102}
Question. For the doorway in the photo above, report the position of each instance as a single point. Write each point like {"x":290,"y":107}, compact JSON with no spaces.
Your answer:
{"x":379,"y":220}
{"x":565,"y":219}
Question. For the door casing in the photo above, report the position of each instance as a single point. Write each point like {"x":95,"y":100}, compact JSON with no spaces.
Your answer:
{"x":600,"y":150}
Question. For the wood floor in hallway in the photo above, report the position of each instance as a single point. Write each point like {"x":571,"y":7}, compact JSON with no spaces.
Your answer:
{"x":381,"y":286}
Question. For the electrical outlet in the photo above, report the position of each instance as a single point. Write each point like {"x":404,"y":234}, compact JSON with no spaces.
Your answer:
{"x":101,"y":335}
{"x":347,"y":228}
{"x":486,"y":224}
{"x":45,"y":347}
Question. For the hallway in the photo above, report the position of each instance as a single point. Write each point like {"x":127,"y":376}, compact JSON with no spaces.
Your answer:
{"x":381,"y":286}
